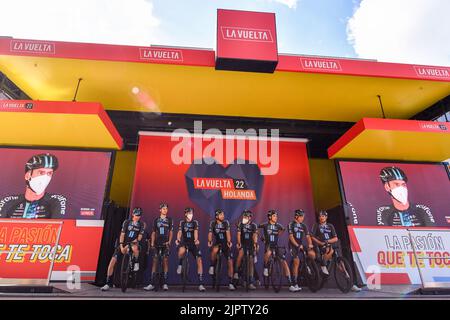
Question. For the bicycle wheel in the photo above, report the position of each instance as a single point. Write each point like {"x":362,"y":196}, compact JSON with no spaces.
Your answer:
{"x":266,"y":280}
{"x":125,"y":272}
{"x":246,"y":271}
{"x":185,"y":273}
{"x":276,"y":275}
{"x":217,"y":271}
{"x":311,"y":274}
{"x":343,"y":274}
{"x":159,"y":273}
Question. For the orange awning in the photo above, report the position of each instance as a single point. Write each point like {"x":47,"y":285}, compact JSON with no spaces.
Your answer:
{"x":57,"y":124}
{"x":388,"y":139}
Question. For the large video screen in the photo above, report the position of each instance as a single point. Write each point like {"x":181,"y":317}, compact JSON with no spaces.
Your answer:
{"x":52,"y":184}
{"x":396,"y":194}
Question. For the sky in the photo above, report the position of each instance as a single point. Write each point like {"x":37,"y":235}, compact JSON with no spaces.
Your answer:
{"x":405,"y":31}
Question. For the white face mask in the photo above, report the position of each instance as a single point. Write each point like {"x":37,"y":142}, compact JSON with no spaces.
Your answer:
{"x":400,"y":194}
{"x":39,"y":184}
{"x":189,"y":216}
{"x":245,"y":220}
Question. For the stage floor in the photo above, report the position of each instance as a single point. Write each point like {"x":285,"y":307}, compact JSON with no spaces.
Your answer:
{"x":89,"y":291}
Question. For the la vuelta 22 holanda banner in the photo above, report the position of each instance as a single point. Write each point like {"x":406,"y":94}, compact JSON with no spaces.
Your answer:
{"x":230,"y":173}
{"x":400,"y":220}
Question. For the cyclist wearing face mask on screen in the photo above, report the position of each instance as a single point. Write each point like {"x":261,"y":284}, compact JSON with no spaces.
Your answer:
{"x":401,"y":212}
{"x":36,"y":202}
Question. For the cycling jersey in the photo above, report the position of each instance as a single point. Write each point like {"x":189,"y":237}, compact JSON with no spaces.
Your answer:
{"x":162,"y":228}
{"x":417,"y":215}
{"x":324,"y":232}
{"x":49,"y":206}
{"x":247,"y":231}
{"x":132,"y":230}
{"x":219,"y":231}
{"x":298,"y":230}
{"x":187,"y":230}
{"x":271,"y":233}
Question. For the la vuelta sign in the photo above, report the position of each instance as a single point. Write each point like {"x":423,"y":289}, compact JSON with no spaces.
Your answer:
{"x":246,"y":34}
{"x":246,"y":41}
{"x":36,"y":47}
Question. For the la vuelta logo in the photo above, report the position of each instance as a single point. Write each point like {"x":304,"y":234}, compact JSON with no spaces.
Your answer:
{"x":161,"y":54}
{"x":38,"y":47}
{"x":246,"y":34}
{"x":433,"y":72}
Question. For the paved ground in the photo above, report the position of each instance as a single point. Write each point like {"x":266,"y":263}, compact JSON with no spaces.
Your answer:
{"x":89,"y":291}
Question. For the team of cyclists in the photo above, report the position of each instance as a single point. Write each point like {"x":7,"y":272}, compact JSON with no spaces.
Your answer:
{"x":322,"y":241}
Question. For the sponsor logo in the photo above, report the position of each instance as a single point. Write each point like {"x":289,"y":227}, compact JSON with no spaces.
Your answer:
{"x":160,"y":54}
{"x":231,"y":189}
{"x":38,"y":47}
{"x":432,"y":72}
{"x":320,"y":64}
{"x":432,"y":126}
{"x":87,"y":212}
{"x":16,"y":105}
{"x":246,"y":34}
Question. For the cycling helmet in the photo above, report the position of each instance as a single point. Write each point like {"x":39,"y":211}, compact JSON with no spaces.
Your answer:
{"x":188,"y":209}
{"x":137,"y":211}
{"x":323,"y":213}
{"x":270,"y":213}
{"x":44,"y":160}
{"x":164,"y":205}
{"x":247,"y":213}
{"x":218,"y":212}
{"x":392,"y":173}
{"x":299,"y":213}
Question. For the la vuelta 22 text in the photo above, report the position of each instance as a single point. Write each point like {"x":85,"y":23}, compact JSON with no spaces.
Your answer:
{"x":228,"y":310}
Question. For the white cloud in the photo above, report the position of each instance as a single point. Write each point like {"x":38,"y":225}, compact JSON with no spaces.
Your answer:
{"x":292,"y":4}
{"x":408,"y":31}
{"x":129,"y":22}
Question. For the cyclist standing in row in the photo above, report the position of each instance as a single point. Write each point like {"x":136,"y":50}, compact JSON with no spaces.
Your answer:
{"x":272,"y":230}
{"x":298,"y":232}
{"x":161,"y":237}
{"x":219,"y":235}
{"x":247,"y":240}
{"x":132,"y":232}
{"x":187,"y":237}
{"x":325,"y":237}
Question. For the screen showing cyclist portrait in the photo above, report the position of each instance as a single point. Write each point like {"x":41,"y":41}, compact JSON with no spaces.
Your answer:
{"x":389,"y":194}
{"x":52,"y":184}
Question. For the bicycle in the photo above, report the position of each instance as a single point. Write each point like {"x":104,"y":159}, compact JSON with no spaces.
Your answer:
{"x":308,"y":272}
{"x":185,"y":268}
{"x":341,"y":269}
{"x":217,"y":269}
{"x":246,"y":266}
{"x":159,"y":275}
{"x":275,"y":268}
{"x":127,"y":272}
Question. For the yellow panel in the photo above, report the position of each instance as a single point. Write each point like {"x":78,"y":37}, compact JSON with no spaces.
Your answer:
{"x":325,"y":184}
{"x":122,"y":180}
{"x":74,"y":130}
{"x":204,"y":90}
{"x":398,"y":145}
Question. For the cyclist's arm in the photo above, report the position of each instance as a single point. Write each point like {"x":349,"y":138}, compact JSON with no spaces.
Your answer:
{"x":309,"y":240}
{"x":196,"y":235}
{"x":228,"y":236}
{"x":333,"y":240}
{"x":170,"y":237}
{"x":293,"y":241}
{"x":152,"y":239}
{"x":179,"y":235}
{"x":255,"y":237}
{"x":210,"y":236}
{"x":122,"y":239}
{"x":317,"y":241}
{"x":238,"y":238}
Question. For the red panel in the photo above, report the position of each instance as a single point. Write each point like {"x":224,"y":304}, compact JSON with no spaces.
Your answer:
{"x":362,"y":68}
{"x":246,"y":35}
{"x":354,"y":244}
{"x":346,"y":138}
{"x":90,"y":51}
{"x":393,"y":278}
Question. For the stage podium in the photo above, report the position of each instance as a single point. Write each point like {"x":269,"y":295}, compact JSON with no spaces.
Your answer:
{"x":28,"y":251}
